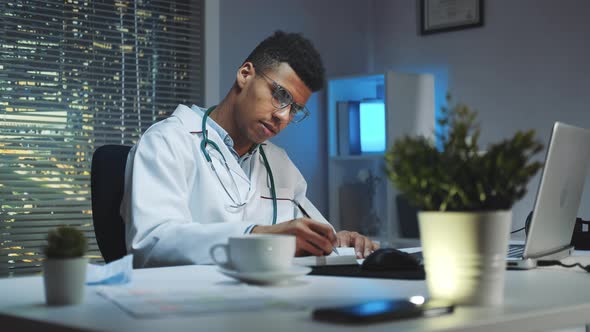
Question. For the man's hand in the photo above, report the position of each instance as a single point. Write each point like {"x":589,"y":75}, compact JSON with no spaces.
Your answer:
{"x":312,"y":237}
{"x":362,"y":245}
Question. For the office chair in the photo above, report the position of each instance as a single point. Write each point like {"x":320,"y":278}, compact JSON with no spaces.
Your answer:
{"x":107,"y":180}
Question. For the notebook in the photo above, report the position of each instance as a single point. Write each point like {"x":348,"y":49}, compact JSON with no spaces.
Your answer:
{"x":345,"y":256}
{"x":558,"y":198}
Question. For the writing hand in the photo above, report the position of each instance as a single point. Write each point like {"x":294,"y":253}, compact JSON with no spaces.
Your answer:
{"x":312,"y":237}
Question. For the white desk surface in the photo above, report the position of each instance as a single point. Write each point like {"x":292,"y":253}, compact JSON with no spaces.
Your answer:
{"x":535,"y":300}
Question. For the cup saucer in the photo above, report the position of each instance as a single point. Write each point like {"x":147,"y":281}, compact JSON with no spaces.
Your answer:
{"x":272,"y":277}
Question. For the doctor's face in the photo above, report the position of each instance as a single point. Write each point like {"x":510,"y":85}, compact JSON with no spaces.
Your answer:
{"x":258,"y":117}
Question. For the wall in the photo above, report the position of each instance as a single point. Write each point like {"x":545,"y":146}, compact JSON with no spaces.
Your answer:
{"x":336,"y":27}
{"x":526,"y":68}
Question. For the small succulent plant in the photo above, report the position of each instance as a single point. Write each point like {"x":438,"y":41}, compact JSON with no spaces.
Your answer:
{"x":65,"y":242}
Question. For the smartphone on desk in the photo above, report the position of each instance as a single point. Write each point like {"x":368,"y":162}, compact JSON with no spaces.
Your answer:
{"x":382,"y":310}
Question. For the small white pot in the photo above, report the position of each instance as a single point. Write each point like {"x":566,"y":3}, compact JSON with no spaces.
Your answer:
{"x":465,"y":255}
{"x":64,"y":280}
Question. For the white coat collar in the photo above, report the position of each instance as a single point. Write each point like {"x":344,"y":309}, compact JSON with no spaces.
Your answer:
{"x":192,"y":121}
{"x":189,"y":118}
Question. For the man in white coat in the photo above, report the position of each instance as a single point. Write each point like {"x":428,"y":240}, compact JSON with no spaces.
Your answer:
{"x":203,"y":175}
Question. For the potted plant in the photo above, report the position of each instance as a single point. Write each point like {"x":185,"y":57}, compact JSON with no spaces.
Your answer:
{"x":64,"y":269}
{"x":464,"y":197}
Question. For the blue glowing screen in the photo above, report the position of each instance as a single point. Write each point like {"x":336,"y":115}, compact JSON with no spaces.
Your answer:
{"x":374,"y":307}
{"x":372,"y":125}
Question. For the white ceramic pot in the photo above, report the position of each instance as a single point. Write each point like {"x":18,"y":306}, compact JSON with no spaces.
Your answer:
{"x":465,"y":255}
{"x":64,"y":280}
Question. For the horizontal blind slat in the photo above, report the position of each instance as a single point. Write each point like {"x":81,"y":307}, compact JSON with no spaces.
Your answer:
{"x":176,"y":5}
{"x":84,"y":223}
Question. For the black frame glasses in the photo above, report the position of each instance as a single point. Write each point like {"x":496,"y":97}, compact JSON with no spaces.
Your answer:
{"x":282,"y":98}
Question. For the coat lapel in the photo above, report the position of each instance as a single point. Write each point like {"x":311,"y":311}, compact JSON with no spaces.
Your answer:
{"x":192,"y":121}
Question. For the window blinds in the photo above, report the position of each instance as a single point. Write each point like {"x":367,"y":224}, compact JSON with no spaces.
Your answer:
{"x":75,"y":75}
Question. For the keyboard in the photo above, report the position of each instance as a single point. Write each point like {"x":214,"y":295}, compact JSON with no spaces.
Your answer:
{"x":515,"y":250}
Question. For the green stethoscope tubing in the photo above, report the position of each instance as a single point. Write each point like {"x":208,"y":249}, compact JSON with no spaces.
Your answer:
{"x":206,"y":141}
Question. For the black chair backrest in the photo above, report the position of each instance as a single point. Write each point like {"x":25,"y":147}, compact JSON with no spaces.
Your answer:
{"x":107,"y":182}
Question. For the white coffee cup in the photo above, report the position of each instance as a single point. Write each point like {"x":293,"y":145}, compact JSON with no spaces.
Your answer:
{"x":256,"y":253}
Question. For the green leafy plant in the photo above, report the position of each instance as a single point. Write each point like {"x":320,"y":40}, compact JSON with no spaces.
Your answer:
{"x":460,"y":177}
{"x":65,"y":242}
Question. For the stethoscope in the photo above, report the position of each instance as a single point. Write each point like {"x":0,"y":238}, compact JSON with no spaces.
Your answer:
{"x":236,"y":202}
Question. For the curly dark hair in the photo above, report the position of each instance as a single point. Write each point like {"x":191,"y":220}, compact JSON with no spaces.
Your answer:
{"x":295,"y":50}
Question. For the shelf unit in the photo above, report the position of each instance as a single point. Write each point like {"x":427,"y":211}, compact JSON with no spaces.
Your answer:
{"x":409,"y":110}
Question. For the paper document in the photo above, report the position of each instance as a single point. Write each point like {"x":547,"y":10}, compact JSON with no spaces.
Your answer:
{"x":347,"y":257}
{"x":147,"y":303}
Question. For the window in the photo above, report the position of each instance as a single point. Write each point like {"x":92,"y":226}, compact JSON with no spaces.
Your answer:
{"x":74,"y":75}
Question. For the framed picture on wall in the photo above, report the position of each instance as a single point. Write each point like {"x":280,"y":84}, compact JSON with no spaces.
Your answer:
{"x":448,"y":15}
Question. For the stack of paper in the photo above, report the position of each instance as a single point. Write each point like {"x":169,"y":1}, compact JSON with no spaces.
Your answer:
{"x":153,"y":303}
{"x":345,"y":256}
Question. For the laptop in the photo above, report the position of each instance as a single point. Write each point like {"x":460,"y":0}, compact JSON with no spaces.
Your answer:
{"x":558,"y":199}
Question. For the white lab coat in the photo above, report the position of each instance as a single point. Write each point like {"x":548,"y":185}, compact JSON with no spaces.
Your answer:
{"x":174,"y":207}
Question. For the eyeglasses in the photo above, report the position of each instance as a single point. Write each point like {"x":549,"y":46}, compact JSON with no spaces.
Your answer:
{"x":282,"y":99}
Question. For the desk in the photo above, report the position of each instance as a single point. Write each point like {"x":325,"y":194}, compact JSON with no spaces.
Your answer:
{"x":535,"y":300}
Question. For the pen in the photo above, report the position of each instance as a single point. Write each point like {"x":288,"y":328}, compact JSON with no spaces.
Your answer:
{"x":306,"y":215}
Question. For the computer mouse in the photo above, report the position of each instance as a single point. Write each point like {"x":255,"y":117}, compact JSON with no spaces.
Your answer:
{"x":390,"y":259}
